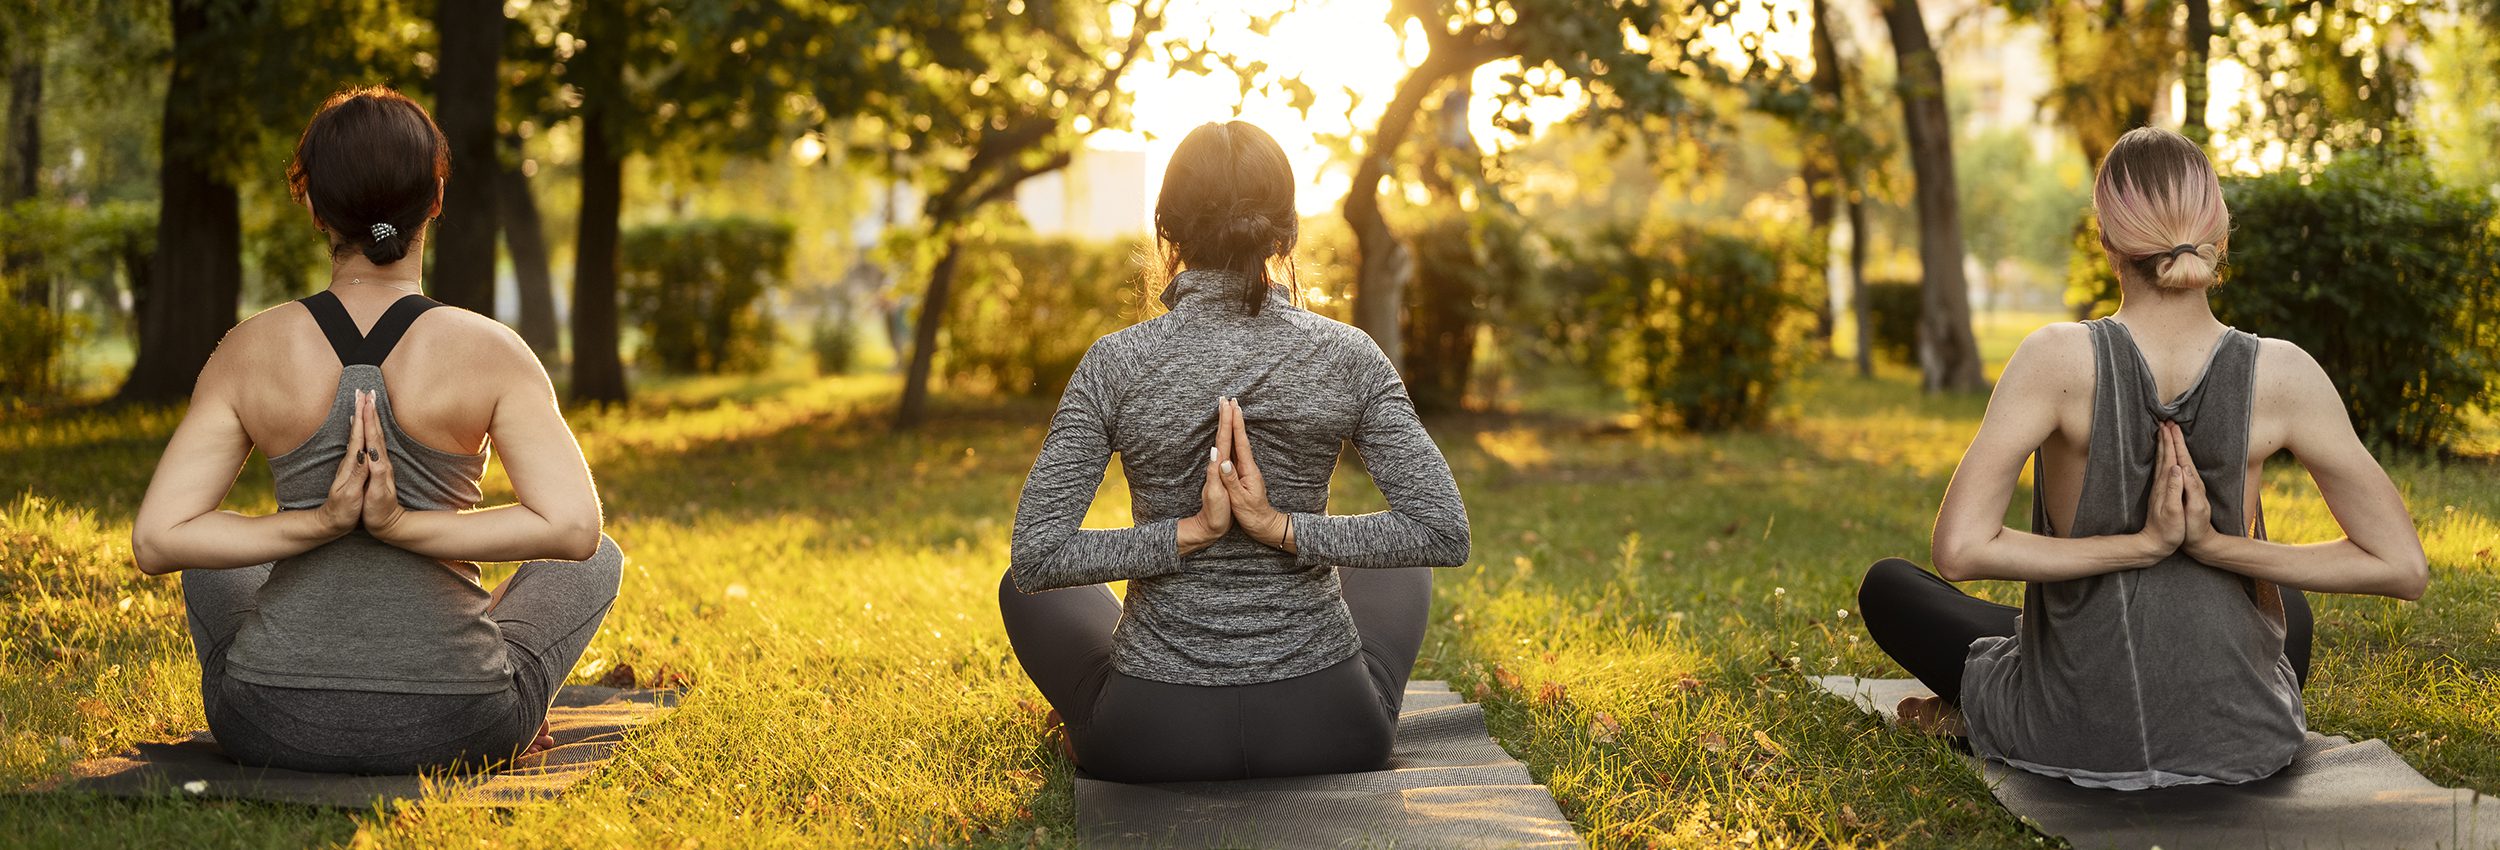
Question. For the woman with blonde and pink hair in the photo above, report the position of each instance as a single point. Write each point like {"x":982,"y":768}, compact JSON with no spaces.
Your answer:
{"x":2162,"y":639}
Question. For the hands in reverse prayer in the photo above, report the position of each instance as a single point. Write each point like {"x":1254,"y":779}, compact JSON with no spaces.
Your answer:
{"x":1235,"y":494}
{"x":2180,"y":519}
{"x":364,"y":490}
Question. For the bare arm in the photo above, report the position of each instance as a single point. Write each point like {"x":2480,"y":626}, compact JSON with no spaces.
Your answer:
{"x":179,"y":526}
{"x":555,"y":514}
{"x":1971,"y":539}
{"x":2380,"y":554}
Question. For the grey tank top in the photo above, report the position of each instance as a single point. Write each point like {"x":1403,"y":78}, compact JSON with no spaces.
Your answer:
{"x":2172,"y":674}
{"x":358,"y":614}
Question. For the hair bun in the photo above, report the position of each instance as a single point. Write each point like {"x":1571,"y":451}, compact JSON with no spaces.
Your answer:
{"x":2186,"y":267}
{"x":388,"y":245}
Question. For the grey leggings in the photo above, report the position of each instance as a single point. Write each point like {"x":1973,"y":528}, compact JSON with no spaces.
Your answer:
{"x":547,"y":611}
{"x":1340,"y":719}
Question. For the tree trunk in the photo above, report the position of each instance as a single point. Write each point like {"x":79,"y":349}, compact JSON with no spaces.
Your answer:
{"x":924,"y":333}
{"x":197,"y":274}
{"x":1823,"y":187}
{"x":25,"y":160}
{"x":1948,"y":354}
{"x":1857,"y":286}
{"x":598,"y":370}
{"x":1387,"y":264}
{"x":464,"y":105}
{"x":525,"y":239}
{"x":2200,"y":41}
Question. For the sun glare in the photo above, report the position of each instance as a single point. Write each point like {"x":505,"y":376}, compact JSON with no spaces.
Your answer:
{"x":1352,"y":60}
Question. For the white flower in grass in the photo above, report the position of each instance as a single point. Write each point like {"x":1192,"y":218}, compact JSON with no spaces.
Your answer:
{"x":196,"y":786}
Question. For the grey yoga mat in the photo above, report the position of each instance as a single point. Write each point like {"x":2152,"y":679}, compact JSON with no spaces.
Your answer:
{"x":1447,"y":786}
{"x":587,"y":722}
{"x":2336,"y":793}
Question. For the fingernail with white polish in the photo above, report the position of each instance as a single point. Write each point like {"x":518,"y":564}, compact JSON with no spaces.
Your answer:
{"x":1228,"y":467}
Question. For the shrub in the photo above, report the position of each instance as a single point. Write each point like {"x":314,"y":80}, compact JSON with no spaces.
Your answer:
{"x":1892,"y":318}
{"x":59,"y":256}
{"x":1026,"y":309}
{"x":1711,"y":322}
{"x":2390,"y":279}
{"x":1464,"y":263}
{"x":696,"y":289}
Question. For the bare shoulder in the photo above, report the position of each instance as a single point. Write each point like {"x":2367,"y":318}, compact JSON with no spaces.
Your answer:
{"x":2055,"y":358}
{"x":258,"y":344}
{"x":2290,"y":381}
{"x":477,"y":345}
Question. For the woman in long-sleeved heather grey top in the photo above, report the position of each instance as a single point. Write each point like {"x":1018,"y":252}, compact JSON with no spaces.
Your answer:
{"x":1260,"y":636}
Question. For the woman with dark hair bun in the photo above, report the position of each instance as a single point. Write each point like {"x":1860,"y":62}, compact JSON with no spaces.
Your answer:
{"x":349,"y":631}
{"x":1260,"y":635}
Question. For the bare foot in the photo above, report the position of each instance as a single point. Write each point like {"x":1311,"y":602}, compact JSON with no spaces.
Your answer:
{"x":545,"y":741}
{"x":1932,"y":716}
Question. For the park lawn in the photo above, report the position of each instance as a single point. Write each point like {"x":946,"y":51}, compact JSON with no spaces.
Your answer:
{"x":1638,"y":617}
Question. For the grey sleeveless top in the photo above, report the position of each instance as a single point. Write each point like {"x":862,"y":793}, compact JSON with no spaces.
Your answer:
{"x":2172,"y":674}
{"x":356,"y":613}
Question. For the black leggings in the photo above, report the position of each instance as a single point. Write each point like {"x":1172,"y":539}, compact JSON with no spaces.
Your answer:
{"x":1340,"y":719}
{"x":1927,"y":625}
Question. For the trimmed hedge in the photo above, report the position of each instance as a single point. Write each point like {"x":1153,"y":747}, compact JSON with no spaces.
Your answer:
{"x":2389,"y":278}
{"x":1026,"y":309}
{"x":697,"y":288}
{"x":1710,"y":322}
{"x":1892,"y":317}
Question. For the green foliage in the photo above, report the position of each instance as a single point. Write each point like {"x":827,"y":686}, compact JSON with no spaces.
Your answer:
{"x":2385,"y":275}
{"x":1029,"y":307}
{"x":1892,"y":307}
{"x":32,"y":339}
{"x":1706,"y":323}
{"x":835,"y":342}
{"x":2091,"y":285}
{"x":1464,"y":262}
{"x":696,"y":289}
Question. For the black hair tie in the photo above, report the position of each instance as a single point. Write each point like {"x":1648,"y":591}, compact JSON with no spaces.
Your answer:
{"x":2183,"y":249}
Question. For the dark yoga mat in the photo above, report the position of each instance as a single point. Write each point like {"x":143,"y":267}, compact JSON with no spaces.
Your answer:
{"x":588,"y":722}
{"x":1448,"y":785}
{"x":2336,"y":793}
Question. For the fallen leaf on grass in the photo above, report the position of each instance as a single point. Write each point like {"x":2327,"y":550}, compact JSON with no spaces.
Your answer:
{"x":620,"y":676}
{"x":1714,"y":742}
{"x":1688,"y":684}
{"x":1502,"y":676}
{"x":1550,"y":694}
{"x":1777,"y":751}
{"x":1604,"y":728}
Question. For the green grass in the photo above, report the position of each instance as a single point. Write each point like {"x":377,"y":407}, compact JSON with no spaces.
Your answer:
{"x":1638,"y":617}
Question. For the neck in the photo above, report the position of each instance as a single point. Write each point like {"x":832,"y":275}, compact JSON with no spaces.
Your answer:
{"x":354,"y":271}
{"x":2155,"y":308}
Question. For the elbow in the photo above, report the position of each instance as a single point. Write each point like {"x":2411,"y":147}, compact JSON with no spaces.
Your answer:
{"x":2413,"y":577}
{"x":1951,"y":563}
{"x":147,"y":555}
{"x":1452,"y":549}
{"x":580,"y":540}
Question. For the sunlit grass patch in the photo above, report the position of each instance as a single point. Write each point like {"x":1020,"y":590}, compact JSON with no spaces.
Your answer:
{"x":1638,"y":617}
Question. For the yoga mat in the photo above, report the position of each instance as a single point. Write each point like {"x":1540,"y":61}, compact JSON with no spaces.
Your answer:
{"x":587,"y":722}
{"x":1448,"y":785}
{"x":2336,"y":793}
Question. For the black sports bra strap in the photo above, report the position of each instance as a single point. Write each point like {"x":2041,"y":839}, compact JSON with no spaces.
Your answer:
{"x":388,"y":329}
{"x":335,"y":323}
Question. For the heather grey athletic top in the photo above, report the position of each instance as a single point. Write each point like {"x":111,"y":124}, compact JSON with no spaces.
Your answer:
{"x":358,"y":614}
{"x":2172,"y":674}
{"x":1238,"y":612}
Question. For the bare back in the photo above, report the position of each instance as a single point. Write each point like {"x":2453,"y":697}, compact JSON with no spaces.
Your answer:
{"x":446,"y":376}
